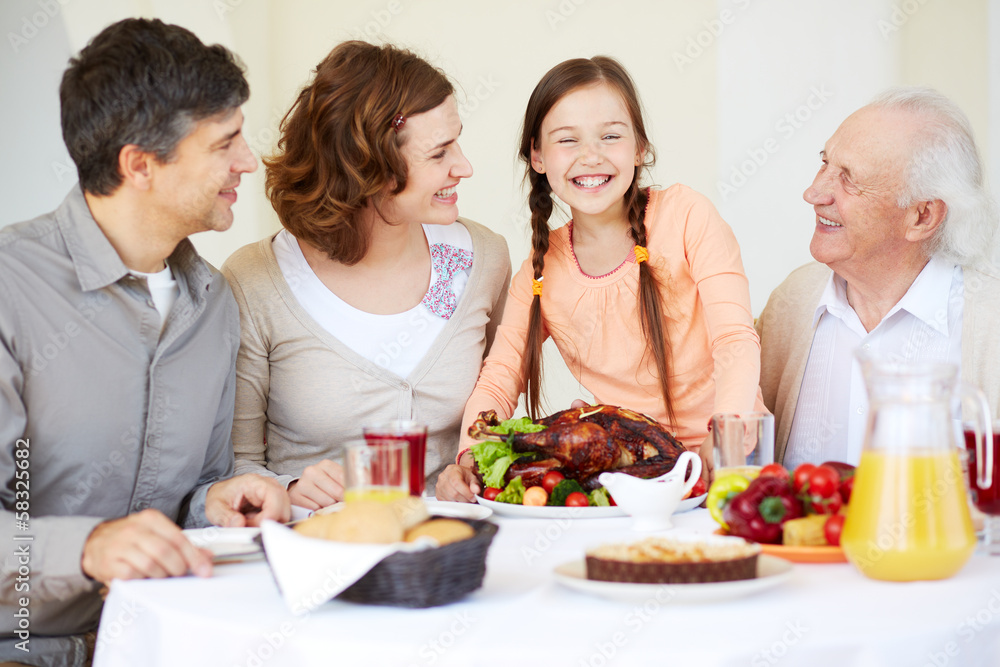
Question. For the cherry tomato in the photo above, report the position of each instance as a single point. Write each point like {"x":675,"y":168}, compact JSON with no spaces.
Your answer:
{"x":535,"y":496}
{"x":832,"y":529}
{"x":698,"y":489}
{"x":577,"y":499}
{"x":551,"y":479}
{"x":801,"y":476}
{"x":846,"y":487}
{"x":824,"y":482}
{"x":774,"y":470}
{"x":820,"y":505}
{"x":491,"y":493}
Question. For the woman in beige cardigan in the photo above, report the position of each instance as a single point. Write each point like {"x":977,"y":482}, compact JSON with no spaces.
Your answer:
{"x":375,"y":301}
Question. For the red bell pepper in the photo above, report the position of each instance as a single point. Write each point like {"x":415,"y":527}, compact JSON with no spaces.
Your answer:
{"x":758,"y":513}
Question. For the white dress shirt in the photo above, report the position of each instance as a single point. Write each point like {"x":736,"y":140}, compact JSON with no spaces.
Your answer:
{"x":832,"y":410}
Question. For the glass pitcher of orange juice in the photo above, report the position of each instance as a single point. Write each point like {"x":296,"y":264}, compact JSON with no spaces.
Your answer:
{"x":909,"y":516}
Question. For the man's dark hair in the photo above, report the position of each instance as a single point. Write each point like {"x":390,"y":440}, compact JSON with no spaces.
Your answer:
{"x":141,"y":82}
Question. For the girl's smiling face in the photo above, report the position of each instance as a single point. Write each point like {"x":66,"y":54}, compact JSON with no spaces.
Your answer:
{"x":588,"y":151}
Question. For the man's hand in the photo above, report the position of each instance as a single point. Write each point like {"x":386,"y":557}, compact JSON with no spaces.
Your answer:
{"x":321,"y":484}
{"x":140,"y":546}
{"x":246,"y":501}
{"x":457,"y":483}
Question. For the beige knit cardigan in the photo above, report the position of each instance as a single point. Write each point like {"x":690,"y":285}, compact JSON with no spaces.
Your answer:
{"x":786,"y":333}
{"x":301,"y":393}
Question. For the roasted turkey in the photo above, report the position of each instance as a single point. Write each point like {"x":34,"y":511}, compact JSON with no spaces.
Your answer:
{"x":581,"y":443}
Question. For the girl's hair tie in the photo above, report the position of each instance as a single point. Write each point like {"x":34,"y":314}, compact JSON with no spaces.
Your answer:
{"x":398,"y":121}
{"x":536,"y":286}
{"x":641,"y":254}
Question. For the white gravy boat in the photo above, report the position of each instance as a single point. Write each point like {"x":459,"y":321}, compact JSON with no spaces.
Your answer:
{"x":650,"y":502}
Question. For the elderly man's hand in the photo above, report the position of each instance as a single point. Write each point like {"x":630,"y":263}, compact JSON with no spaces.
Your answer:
{"x":140,"y":546}
{"x":246,"y":501}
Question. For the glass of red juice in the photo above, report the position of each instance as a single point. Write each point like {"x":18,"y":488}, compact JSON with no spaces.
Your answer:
{"x":413,"y":432}
{"x":984,"y":484}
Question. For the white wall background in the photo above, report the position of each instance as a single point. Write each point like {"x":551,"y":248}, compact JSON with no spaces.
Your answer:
{"x":740,"y":94}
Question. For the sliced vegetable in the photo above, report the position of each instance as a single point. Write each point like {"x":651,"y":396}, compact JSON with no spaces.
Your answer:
{"x":535,"y":496}
{"x":805,"y":531}
{"x":599,"y":497}
{"x":514,"y":493}
{"x":562,"y":491}
{"x":722,"y":491}
{"x":758,"y":513}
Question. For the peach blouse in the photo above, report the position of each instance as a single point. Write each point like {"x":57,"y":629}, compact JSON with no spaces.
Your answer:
{"x":595,"y":323}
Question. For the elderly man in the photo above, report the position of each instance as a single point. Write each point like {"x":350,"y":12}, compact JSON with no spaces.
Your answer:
{"x":904,"y":227}
{"x":118,"y":342}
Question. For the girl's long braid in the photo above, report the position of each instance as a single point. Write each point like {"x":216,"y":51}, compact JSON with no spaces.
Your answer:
{"x":650,"y":306}
{"x":540,"y":203}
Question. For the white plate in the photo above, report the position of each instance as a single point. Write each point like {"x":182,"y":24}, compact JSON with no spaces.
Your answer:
{"x":227,"y":544}
{"x":771,"y":571}
{"x":547,"y":512}
{"x":457,"y":510}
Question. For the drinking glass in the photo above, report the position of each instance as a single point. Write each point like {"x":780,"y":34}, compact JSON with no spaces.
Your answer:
{"x":413,"y":432}
{"x":376,"y":469}
{"x":984,"y":485}
{"x":733,"y":434}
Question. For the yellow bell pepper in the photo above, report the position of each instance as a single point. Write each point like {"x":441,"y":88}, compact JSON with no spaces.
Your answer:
{"x":723,"y":490}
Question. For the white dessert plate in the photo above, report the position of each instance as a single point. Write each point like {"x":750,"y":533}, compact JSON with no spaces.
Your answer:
{"x":547,"y":512}
{"x":227,"y":544}
{"x":771,"y":571}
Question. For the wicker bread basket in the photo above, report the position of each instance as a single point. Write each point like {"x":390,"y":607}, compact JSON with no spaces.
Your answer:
{"x":427,"y":578}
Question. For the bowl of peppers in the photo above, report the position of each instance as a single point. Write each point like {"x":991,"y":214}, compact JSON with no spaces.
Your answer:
{"x":794,"y":514}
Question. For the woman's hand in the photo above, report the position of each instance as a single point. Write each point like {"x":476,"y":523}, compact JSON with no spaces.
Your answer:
{"x":457,"y":483}
{"x":320,"y":485}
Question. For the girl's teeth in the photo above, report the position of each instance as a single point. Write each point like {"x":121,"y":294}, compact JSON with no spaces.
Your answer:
{"x":444,"y":194}
{"x":591,"y":181}
{"x":829,"y":223}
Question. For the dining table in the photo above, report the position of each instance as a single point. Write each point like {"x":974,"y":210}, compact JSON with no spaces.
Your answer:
{"x":529,"y":612}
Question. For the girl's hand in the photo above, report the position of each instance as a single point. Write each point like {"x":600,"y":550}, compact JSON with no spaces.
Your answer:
{"x":457,"y":483}
{"x":707,"y":455}
{"x":321,"y":484}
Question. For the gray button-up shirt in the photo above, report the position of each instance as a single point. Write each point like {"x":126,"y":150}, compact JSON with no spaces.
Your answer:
{"x":111,"y":415}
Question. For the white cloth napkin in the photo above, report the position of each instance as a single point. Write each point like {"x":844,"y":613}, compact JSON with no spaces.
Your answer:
{"x":311,"y":571}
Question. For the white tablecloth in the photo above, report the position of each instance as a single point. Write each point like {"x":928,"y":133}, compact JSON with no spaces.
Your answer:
{"x":824,"y":615}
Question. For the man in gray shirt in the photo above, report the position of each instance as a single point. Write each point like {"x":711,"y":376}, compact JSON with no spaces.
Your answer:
{"x":118,"y":343}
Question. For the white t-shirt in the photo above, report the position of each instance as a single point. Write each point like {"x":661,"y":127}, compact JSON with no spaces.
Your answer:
{"x":163,"y":290}
{"x":832,"y":410}
{"x":399,"y":341}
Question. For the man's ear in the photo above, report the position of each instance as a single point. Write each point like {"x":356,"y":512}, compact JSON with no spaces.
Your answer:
{"x":929,"y":216}
{"x":136,"y":166}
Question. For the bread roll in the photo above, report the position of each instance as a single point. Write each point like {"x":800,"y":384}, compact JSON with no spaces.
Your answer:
{"x":444,"y":531}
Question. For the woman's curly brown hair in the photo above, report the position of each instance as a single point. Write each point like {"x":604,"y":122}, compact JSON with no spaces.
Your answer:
{"x":339,"y":150}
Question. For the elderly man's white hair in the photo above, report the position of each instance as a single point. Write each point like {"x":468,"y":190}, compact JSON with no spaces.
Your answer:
{"x":945,"y":165}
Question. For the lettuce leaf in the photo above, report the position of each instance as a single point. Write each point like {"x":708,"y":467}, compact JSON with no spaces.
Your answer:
{"x":513,"y":494}
{"x":493,"y":459}
{"x":519,"y":425}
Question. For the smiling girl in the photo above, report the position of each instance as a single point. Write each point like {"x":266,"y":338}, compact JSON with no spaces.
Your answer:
{"x":643,"y":291}
{"x":376,"y":301}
